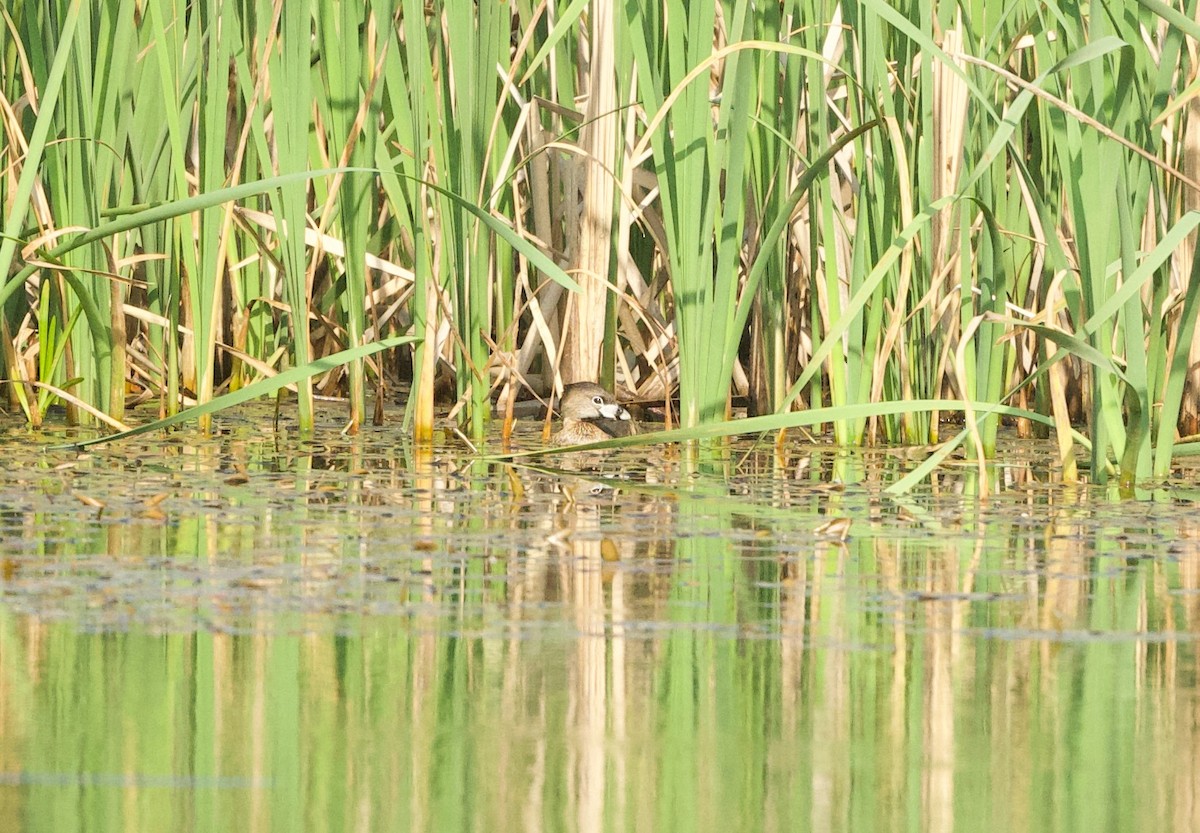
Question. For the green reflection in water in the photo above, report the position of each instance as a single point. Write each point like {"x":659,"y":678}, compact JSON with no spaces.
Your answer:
{"x":380,"y":642}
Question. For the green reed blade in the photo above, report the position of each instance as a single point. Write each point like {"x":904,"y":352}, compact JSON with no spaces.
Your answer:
{"x":408,"y":89}
{"x":1177,"y":373}
{"x":781,"y":421}
{"x":346,"y":92}
{"x":262,"y":387}
{"x":291,"y":115}
{"x":166,"y":211}
{"x":219,"y":27}
{"x":173,"y":50}
{"x":14,"y":223}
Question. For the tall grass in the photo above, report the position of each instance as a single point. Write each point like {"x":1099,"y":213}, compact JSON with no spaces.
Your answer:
{"x":806,"y":203}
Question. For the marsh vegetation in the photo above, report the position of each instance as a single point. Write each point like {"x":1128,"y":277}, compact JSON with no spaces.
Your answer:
{"x":868,"y":216}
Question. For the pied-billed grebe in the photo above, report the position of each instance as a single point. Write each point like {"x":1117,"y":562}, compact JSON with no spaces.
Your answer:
{"x":591,"y":414}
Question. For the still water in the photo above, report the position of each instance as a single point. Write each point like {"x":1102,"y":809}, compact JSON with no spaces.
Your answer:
{"x":259,"y":633}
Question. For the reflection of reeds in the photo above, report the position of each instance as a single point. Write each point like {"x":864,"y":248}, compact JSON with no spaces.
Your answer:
{"x":806,"y":199}
{"x":663,"y":655}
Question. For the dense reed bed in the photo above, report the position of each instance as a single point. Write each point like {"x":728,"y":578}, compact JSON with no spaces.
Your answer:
{"x":890,"y":213}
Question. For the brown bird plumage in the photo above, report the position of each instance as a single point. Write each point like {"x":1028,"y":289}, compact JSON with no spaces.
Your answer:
{"x":591,"y":414}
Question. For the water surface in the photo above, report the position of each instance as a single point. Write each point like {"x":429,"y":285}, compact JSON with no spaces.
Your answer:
{"x":257,"y":632}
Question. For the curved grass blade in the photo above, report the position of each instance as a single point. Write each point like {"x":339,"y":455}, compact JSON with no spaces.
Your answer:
{"x":1072,"y":344}
{"x":776,"y":422}
{"x":166,"y":211}
{"x":37,"y":145}
{"x":505,"y":232}
{"x":1165,"y":448}
{"x":860,"y":298}
{"x":259,"y":388}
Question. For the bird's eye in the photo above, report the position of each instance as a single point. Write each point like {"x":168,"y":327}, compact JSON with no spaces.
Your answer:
{"x":598,"y":400}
